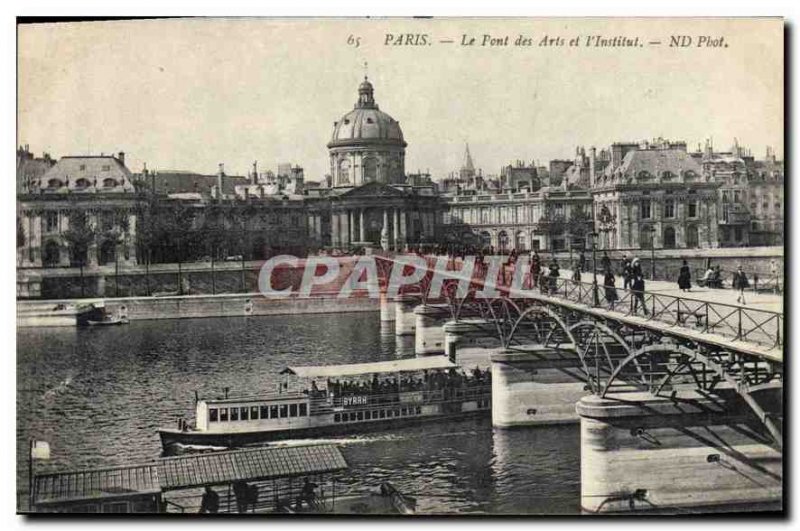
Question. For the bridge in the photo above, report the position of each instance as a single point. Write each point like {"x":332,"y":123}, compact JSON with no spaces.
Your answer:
{"x":697,"y":371}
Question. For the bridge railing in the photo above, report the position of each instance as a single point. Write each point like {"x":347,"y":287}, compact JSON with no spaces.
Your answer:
{"x":738,"y":323}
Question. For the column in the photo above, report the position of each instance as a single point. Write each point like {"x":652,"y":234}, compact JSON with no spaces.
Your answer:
{"x":403,"y":227}
{"x":395,"y":230}
{"x":345,"y":224}
{"x":361,"y":233}
{"x":351,"y":227}
{"x":386,"y":221}
{"x":336,"y":230}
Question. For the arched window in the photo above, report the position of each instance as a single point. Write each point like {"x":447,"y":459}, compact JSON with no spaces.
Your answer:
{"x":669,"y":238}
{"x":502,"y":240}
{"x":109,"y":183}
{"x":645,"y":238}
{"x":692,"y":238}
{"x":344,"y":172}
{"x":82,"y":183}
{"x":521,"y":241}
{"x":54,"y":184}
{"x":370,"y":170}
{"x":486,"y":239}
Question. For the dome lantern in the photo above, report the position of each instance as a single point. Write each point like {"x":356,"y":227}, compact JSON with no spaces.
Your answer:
{"x":366,"y":99}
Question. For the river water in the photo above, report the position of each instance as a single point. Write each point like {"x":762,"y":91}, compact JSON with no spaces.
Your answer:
{"x":97,"y":396}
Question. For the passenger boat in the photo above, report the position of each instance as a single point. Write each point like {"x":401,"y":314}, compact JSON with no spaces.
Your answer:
{"x":338,"y":399}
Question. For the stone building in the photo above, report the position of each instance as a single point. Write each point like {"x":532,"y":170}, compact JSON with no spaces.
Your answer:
{"x":90,"y":194}
{"x":654,"y":195}
{"x":750,"y":195}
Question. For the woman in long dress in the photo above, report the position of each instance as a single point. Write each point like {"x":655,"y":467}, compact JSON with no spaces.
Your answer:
{"x":611,"y":291}
{"x":685,"y":277}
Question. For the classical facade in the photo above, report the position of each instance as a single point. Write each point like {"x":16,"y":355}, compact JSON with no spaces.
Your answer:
{"x":654,"y":195}
{"x":89,"y":198}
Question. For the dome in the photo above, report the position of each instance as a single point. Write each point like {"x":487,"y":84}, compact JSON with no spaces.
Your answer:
{"x":366,"y":122}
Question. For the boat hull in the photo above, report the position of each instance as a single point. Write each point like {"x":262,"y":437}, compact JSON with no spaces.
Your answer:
{"x":173,"y":439}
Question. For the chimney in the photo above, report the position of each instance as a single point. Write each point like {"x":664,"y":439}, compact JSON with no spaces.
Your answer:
{"x":121,"y":157}
{"x":220,"y":175}
{"x":592,"y":156}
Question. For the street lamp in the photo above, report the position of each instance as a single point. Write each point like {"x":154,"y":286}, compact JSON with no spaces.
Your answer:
{"x":653,"y":253}
{"x":594,"y":269}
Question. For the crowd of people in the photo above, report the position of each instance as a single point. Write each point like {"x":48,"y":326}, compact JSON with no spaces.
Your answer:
{"x":433,"y":380}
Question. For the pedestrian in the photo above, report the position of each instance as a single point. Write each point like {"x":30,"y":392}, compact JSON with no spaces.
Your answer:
{"x":536,"y":267}
{"x":307,"y":494}
{"x":210,"y":502}
{"x":576,"y":273}
{"x":626,"y":272}
{"x":554,"y":274}
{"x":740,"y":283}
{"x":611,"y":291}
{"x":773,"y":273}
{"x":636,"y":268}
{"x":708,"y":277}
{"x":638,"y":294}
{"x":606,"y":262}
{"x":685,"y":278}
{"x":582,"y":261}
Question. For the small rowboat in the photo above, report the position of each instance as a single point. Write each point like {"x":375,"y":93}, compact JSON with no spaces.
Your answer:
{"x":109,"y":321}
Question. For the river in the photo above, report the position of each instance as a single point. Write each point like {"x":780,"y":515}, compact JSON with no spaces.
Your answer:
{"x":97,"y":396}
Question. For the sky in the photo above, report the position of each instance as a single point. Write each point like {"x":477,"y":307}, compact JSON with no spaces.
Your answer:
{"x":190,"y":94}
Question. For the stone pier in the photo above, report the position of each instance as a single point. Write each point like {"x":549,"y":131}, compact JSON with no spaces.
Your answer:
{"x":388,"y":311}
{"x":699,"y":452}
{"x":405,"y":320}
{"x":429,"y":329}
{"x":537,"y":386}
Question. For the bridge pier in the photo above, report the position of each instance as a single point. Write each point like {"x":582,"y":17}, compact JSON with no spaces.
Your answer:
{"x":641,"y":452}
{"x":405,"y":320}
{"x":538,"y":386}
{"x":429,"y":329}
{"x":388,"y":312}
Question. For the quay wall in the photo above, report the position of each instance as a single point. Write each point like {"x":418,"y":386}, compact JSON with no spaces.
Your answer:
{"x":40,"y":313}
{"x":645,"y":453}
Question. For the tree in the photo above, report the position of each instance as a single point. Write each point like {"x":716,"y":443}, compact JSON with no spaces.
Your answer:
{"x":79,"y":237}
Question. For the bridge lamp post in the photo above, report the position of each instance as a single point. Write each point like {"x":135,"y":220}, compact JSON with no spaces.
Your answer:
{"x":595,"y":297}
{"x":653,"y":253}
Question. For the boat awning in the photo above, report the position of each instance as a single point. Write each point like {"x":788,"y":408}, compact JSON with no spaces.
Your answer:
{"x":119,"y":482}
{"x":404,"y":365}
{"x":254,"y":464}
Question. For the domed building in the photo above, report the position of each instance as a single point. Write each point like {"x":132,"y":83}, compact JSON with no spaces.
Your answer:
{"x":371,"y":203}
{"x":367,"y":145}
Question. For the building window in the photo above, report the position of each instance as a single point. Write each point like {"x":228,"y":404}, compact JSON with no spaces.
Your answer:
{"x":692,"y":209}
{"x":737,"y":196}
{"x":254,"y":413}
{"x":264,"y":413}
{"x":82,"y":167}
{"x":293,"y":410}
{"x":106,"y":167}
{"x":51,"y":221}
{"x":234,"y":413}
{"x":244,"y":413}
{"x":223,"y":414}
{"x":645,"y":210}
{"x":725,"y":196}
{"x":669,"y":209}
{"x":212,"y":415}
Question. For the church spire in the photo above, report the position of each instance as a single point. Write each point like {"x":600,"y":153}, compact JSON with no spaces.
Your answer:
{"x":468,"y":165}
